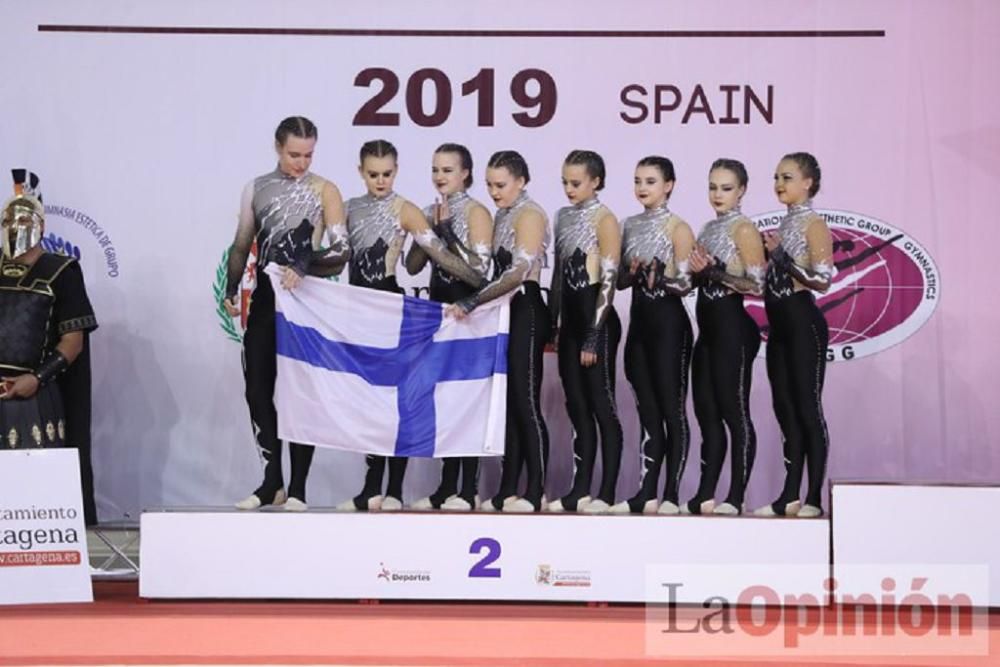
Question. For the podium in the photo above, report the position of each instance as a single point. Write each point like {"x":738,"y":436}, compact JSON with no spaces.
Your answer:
{"x":216,"y":553}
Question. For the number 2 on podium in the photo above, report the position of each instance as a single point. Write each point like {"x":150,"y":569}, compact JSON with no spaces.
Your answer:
{"x":482,"y":567}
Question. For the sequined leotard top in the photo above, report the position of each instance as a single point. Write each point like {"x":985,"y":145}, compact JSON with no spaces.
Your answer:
{"x":376,"y":237}
{"x":281,"y":212}
{"x":717,"y":238}
{"x":460,"y":207}
{"x":649,"y":236}
{"x":792,"y":235}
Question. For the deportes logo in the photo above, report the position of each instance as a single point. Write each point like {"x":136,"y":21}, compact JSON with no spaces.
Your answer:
{"x":404,"y":576}
{"x":885,"y":287}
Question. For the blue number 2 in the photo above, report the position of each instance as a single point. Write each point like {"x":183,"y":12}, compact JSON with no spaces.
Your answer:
{"x":481,"y":568}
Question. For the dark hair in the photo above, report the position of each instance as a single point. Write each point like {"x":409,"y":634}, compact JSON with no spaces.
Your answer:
{"x":378,"y":148}
{"x":297,"y":126}
{"x":734,"y":166}
{"x":593,"y":163}
{"x":809,"y":167}
{"x":664,"y":164}
{"x":512,"y":162}
{"x":464,"y":155}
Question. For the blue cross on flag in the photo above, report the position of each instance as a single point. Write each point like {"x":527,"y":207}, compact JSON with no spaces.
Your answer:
{"x":383,"y":373}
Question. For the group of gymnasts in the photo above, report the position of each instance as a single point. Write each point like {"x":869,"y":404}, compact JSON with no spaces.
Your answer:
{"x":300,"y":223}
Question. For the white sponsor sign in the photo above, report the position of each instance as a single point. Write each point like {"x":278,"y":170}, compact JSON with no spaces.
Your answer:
{"x":43,"y":541}
{"x":477,"y":556}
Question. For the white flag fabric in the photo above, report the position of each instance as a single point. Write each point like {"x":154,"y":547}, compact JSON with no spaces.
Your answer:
{"x":383,"y":373}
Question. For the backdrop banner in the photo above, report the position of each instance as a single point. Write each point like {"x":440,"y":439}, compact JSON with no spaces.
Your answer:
{"x":145,"y":121}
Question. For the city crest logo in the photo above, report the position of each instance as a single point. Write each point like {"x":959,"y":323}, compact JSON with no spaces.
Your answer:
{"x":247,"y":284}
{"x":546,"y":575}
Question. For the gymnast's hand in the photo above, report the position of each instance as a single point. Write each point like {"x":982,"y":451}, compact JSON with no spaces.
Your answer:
{"x":653,"y":273}
{"x":588,"y":350}
{"x":455,"y":311}
{"x":771,"y":241}
{"x":699,"y":259}
{"x":232,"y":308}
{"x":442,"y":212}
{"x":289,"y":278}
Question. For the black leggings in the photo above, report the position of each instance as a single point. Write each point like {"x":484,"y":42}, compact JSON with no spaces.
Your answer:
{"x":796,"y":367}
{"x":260,"y":368}
{"x":657,"y":359}
{"x":590,"y":395}
{"x":376,"y":463}
{"x":444,"y":291}
{"x":728,"y":341}
{"x":452,"y":465}
{"x":527,"y":438}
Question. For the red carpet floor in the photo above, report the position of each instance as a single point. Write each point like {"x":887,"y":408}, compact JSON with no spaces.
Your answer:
{"x":121,"y":629}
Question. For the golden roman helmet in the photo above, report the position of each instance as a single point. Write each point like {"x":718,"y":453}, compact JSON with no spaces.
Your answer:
{"x":22,"y":216}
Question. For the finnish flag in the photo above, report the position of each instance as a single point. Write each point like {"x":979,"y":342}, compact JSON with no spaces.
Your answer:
{"x":383,"y":373}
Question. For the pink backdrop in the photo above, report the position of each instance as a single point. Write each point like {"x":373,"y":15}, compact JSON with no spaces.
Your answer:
{"x":151,"y":137}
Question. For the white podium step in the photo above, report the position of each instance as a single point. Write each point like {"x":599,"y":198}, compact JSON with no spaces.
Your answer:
{"x":928,"y":539}
{"x":478,"y":556}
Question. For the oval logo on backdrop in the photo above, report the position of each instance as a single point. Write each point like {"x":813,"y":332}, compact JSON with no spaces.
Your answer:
{"x":885,"y":287}
{"x":54,"y":242}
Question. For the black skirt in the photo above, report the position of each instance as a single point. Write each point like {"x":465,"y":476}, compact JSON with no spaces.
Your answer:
{"x":29,"y":423}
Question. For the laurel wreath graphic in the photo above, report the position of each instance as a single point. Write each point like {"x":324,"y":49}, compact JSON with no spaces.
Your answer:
{"x":219,"y":292}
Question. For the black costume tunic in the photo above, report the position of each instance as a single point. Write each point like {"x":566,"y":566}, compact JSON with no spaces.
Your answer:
{"x":38,"y":305}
